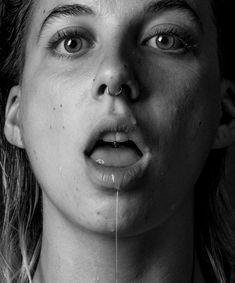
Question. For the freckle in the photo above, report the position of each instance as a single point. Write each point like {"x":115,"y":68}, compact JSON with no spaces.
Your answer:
{"x":63,"y":127}
{"x":54,"y":108}
{"x":98,"y":212}
{"x":50,"y":126}
{"x":61,"y":105}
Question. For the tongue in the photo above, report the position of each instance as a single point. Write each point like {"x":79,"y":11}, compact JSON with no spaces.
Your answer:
{"x":120,"y":157}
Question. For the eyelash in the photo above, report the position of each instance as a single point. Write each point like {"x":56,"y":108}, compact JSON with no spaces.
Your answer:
{"x":186,"y":38}
{"x":63,"y":35}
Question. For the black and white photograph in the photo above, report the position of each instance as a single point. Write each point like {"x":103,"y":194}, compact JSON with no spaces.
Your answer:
{"x":117,"y":141}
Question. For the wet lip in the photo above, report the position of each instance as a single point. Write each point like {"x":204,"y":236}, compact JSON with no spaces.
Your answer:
{"x":117,"y":178}
{"x":112,"y":177}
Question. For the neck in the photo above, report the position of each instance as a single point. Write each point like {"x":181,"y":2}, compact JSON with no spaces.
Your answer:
{"x":163,"y":255}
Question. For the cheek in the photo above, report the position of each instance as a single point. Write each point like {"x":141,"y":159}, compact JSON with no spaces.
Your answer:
{"x":54,"y":127}
{"x":40,"y":114}
{"x":186,"y":97}
{"x":52,"y":104}
{"x":184,"y":112}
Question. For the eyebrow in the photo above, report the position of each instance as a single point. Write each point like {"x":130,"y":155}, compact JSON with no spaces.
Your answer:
{"x":154,"y":7}
{"x":66,"y":10}
{"x":158,"y":6}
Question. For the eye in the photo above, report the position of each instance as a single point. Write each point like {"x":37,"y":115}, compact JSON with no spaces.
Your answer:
{"x":69,"y":43}
{"x":166,"y":42}
{"x":73,"y":45}
{"x":171,"y":39}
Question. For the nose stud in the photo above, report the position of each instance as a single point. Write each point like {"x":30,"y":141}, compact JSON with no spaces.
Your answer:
{"x":117,"y":93}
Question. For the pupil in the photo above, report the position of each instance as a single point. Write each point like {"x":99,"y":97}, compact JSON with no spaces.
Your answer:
{"x":164,"y":40}
{"x":72,"y":43}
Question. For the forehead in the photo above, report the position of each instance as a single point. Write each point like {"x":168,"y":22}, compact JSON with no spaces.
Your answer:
{"x":123,"y":7}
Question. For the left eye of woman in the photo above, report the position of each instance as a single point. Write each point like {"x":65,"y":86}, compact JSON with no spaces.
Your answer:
{"x":166,"y":42}
{"x":72,"y":45}
{"x":67,"y":43}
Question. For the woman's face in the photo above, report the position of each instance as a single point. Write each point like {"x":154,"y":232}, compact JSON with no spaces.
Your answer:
{"x":164,"y":55}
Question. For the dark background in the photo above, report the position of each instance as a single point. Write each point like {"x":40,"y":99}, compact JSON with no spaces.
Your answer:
{"x":231,"y":174}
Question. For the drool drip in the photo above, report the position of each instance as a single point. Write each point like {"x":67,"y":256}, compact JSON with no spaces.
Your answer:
{"x":116,"y":239}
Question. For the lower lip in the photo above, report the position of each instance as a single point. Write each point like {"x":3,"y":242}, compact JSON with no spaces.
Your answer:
{"x":116,"y":178}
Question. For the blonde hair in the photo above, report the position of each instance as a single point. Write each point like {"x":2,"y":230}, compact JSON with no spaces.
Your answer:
{"x":21,"y":225}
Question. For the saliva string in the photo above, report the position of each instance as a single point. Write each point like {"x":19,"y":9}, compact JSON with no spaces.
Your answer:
{"x":116,"y":238}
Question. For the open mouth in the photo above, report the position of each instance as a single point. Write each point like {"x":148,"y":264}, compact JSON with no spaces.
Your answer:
{"x":115,"y":153}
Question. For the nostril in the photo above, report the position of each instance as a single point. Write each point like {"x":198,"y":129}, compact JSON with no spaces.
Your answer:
{"x":130,"y":92}
{"x":102,"y":89}
{"x":127,"y":90}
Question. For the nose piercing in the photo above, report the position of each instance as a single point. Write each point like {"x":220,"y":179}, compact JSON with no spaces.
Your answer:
{"x":115,"y":93}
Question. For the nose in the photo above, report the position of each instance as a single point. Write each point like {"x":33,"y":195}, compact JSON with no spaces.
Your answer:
{"x":115,"y":74}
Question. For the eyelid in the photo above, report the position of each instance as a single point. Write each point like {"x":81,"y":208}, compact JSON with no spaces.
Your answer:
{"x":169,"y":28}
{"x":71,"y":31}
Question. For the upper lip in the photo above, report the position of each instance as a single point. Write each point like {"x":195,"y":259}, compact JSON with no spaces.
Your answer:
{"x":116,"y":124}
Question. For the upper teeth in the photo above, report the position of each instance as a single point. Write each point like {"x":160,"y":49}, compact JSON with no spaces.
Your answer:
{"x":115,"y":137}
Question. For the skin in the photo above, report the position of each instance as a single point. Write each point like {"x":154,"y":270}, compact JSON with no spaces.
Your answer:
{"x":178,"y":111}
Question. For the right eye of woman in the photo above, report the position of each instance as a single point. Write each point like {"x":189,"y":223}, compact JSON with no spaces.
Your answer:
{"x":171,"y":39}
{"x":70,"y":43}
